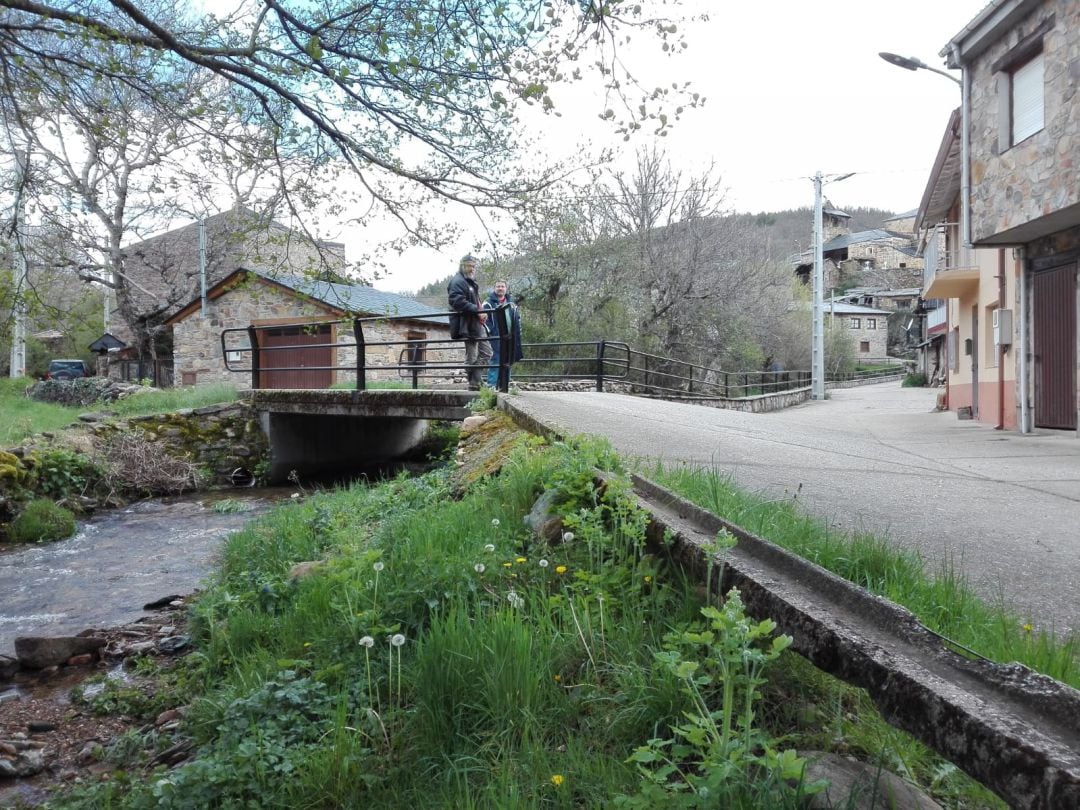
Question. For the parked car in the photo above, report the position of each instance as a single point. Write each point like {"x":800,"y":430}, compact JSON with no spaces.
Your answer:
{"x":67,"y":370}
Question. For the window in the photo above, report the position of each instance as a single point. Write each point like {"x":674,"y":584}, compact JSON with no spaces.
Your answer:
{"x":903,"y":303}
{"x":854,"y":323}
{"x":864,"y":347}
{"x":1026,"y":99}
{"x":417,"y":353}
{"x":871,"y":323}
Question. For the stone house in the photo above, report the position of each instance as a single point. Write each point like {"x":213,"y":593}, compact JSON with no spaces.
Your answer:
{"x":311,"y":324}
{"x":1019,"y":148}
{"x":164,"y":272}
{"x":874,"y":258}
{"x":868,"y":328}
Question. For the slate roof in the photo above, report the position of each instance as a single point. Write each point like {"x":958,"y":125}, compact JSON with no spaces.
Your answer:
{"x":360,"y":298}
{"x":351,"y":298}
{"x":846,"y":239}
{"x":838,"y":308}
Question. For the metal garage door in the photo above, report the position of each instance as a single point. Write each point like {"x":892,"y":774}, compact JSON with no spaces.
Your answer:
{"x":295,"y":360}
{"x":1054,"y":338}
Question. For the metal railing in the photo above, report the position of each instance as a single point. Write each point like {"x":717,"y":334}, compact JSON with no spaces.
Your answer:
{"x":248,"y":350}
{"x":439,"y":361}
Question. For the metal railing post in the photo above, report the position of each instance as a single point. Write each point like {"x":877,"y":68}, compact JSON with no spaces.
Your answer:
{"x":690,"y":379}
{"x":361,"y":355}
{"x":600,"y":346}
{"x":253,"y":339}
{"x":506,"y":348}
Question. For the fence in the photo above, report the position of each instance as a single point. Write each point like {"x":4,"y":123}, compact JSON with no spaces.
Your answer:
{"x":436,"y":362}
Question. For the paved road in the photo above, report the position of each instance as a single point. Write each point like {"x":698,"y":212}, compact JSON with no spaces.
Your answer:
{"x":1004,"y":508}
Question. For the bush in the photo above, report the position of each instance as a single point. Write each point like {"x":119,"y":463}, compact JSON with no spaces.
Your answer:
{"x":61,"y":473}
{"x":42,"y":521}
{"x":914,"y":380}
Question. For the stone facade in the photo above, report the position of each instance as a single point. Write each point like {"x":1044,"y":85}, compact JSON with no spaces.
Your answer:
{"x":197,"y":350}
{"x":166,"y":267}
{"x":869,"y":331}
{"x":1012,"y":185}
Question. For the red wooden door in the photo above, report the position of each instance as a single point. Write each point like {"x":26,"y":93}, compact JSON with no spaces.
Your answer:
{"x":301,"y":365}
{"x":1054,"y":345}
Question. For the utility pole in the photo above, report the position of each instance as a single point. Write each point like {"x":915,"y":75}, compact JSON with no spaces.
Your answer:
{"x":817,"y":336}
{"x":18,"y":337}
{"x":817,"y":331}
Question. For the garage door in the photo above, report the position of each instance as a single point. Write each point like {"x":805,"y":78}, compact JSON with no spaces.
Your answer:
{"x":1054,"y":327}
{"x":298,"y":364}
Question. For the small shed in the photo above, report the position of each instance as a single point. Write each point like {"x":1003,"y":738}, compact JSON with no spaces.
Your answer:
{"x":305,"y":314}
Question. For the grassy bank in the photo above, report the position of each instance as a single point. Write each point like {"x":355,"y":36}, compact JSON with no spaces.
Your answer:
{"x":944,"y":601}
{"x":438,"y":655}
{"x":21,"y":416}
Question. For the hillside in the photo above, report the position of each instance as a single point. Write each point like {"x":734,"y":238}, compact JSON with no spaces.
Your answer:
{"x":782,"y":234}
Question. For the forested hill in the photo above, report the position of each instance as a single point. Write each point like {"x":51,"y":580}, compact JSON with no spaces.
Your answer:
{"x":792,"y":231}
{"x":782,"y":234}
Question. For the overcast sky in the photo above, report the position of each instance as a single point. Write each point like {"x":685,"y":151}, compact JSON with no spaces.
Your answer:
{"x":791,"y":87}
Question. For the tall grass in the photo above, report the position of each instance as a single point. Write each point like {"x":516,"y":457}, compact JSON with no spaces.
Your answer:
{"x":442,"y":657}
{"x":943,"y":600}
{"x":21,"y":417}
{"x":164,"y":400}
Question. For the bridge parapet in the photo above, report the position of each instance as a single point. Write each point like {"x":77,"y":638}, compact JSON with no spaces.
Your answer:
{"x":386,"y":403}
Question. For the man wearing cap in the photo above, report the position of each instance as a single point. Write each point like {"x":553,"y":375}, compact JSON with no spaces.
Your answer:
{"x":467,"y":320}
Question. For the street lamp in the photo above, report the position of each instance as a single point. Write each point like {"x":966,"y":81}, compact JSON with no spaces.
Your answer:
{"x":911,"y":63}
{"x":817,"y":345}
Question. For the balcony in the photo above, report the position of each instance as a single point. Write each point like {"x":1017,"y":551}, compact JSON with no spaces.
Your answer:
{"x":952,"y":270}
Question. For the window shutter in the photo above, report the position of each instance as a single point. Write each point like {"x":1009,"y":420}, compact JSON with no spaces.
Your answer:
{"x":1027,"y":99}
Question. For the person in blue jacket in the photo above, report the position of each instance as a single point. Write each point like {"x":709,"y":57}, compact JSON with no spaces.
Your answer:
{"x":501,"y":324}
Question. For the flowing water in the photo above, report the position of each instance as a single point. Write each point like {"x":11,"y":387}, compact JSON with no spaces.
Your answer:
{"x":117,"y":562}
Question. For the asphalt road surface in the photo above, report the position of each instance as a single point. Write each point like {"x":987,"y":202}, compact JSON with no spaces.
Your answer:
{"x":1002,"y":508}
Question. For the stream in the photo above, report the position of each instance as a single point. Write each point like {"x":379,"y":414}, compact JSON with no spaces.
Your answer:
{"x":117,"y":562}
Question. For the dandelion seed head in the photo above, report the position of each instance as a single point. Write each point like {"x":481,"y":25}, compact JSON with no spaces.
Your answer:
{"x":568,"y":537}
{"x":490,"y":547}
{"x":495,"y":522}
{"x":367,"y":641}
{"x":543,"y":563}
{"x":379,"y":566}
{"x":479,"y":568}
{"x":397,"y":639}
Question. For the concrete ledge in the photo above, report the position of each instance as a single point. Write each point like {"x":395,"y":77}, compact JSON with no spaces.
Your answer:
{"x":389,"y":402}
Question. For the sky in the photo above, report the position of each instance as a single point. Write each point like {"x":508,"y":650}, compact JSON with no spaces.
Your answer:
{"x":791,"y":88}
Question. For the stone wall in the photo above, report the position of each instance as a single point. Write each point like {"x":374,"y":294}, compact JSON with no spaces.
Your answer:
{"x":218,"y":438}
{"x":197,"y":354}
{"x":167,"y":266}
{"x":1037,"y":177}
{"x":756,"y":404}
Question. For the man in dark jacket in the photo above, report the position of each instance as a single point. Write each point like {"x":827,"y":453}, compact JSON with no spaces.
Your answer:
{"x":468,"y":319}
{"x":501,"y":325}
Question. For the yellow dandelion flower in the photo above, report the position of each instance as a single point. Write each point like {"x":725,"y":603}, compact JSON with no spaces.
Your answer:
{"x":558,"y":679}
{"x":520,"y":560}
{"x":1028,"y":628}
{"x":558,"y":779}
{"x":307,"y":643}
{"x":560,"y":569}
{"x":648,"y":579}
{"x":507,"y":565}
